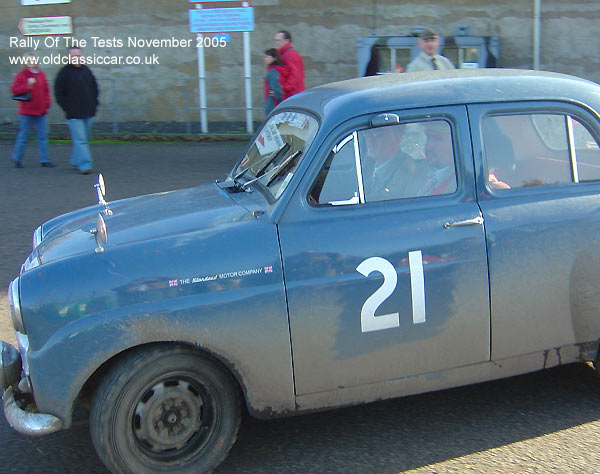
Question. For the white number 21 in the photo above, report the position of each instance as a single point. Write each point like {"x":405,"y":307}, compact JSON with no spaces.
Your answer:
{"x":368,"y":320}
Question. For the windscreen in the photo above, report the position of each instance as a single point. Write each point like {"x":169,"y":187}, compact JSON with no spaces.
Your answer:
{"x":277,"y":151}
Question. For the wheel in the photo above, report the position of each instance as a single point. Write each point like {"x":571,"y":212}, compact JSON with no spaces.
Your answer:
{"x":165,"y":409}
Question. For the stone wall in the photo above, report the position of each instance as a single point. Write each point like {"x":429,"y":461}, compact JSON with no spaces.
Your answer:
{"x":325,"y":33}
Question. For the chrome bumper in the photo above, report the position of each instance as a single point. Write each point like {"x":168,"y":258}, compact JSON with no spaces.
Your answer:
{"x":27,"y":423}
{"x":23,"y":421}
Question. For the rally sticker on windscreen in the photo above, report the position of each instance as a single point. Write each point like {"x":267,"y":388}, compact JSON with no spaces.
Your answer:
{"x":269,"y":139}
{"x":293,"y":119}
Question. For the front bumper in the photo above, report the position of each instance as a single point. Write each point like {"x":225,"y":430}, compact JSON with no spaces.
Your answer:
{"x":23,"y":421}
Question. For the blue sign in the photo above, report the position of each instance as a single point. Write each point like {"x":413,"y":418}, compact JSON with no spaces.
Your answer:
{"x":217,"y":20}
{"x":226,"y":38}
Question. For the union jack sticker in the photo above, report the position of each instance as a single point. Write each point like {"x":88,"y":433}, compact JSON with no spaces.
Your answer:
{"x":172,"y":283}
{"x":268,"y":269}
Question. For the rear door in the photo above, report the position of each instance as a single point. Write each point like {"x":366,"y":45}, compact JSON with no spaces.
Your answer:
{"x":538,"y":178}
{"x":390,"y":281}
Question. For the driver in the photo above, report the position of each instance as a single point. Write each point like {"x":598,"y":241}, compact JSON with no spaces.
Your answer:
{"x":392,"y":170}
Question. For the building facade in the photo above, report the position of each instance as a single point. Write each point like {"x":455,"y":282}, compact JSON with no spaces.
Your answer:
{"x":162,"y":86}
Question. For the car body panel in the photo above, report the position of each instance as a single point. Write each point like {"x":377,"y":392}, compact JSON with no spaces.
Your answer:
{"x":201,"y":287}
{"x":322,"y":248}
{"x":543,"y":249}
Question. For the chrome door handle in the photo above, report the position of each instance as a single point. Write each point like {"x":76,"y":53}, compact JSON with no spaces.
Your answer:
{"x":475,"y":221}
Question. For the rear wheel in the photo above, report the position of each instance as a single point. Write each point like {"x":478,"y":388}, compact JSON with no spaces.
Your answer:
{"x":165,"y":409}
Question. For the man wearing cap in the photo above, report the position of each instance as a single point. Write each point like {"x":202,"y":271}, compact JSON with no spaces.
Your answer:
{"x":428,"y":59}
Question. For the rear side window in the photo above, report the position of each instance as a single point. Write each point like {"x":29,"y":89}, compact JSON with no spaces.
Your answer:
{"x":525,"y":150}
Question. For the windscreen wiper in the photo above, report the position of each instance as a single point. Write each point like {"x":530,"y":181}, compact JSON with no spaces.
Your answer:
{"x":281,"y":167}
{"x":271,"y":175}
{"x":281,"y":152}
{"x":260,"y":174}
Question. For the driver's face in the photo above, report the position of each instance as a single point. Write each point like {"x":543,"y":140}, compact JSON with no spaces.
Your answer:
{"x":382,"y":143}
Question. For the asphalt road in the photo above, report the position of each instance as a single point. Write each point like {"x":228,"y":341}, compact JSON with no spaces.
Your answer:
{"x":547,"y":422}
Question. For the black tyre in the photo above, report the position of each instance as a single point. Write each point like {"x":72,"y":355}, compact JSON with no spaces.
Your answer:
{"x":165,"y":409}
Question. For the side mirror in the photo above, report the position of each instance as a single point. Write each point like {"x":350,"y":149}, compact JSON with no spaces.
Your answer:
{"x":100,"y":190}
{"x":100,"y":234}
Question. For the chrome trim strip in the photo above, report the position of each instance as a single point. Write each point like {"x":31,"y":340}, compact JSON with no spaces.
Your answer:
{"x":23,"y":346}
{"x":37,"y":237}
{"x":572,"y":150}
{"x":14,"y":303}
{"x":361,"y":190}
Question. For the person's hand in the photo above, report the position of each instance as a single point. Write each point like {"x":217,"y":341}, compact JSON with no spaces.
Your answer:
{"x":495,"y":183}
{"x":30,"y":81}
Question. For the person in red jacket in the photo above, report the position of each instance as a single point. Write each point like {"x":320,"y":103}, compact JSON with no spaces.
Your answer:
{"x":32,"y":79}
{"x":276,"y":75}
{"x":294,"y":82}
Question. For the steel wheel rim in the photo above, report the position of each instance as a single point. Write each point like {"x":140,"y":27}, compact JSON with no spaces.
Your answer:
{"x":173,"y":418}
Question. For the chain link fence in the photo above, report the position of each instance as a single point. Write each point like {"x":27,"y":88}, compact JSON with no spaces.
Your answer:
{"x":157,"y":106}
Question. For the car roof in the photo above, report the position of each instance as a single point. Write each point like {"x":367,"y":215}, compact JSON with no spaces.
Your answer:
{"x":338,"y":101}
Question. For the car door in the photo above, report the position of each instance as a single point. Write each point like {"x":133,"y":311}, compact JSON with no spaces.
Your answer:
{"x":386,"y":283}
{"x":538,"y":178}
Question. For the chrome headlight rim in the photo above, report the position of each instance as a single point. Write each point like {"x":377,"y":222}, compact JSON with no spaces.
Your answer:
{"x":14,"y":302}
{"x":37,"y":237}
{"x":33,"y":261}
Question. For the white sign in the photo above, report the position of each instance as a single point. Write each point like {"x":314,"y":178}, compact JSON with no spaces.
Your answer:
{"x":43,"y":26}
{"x":221,"y":20}
{"x":269,"y":140}
{"x":43,"y":2}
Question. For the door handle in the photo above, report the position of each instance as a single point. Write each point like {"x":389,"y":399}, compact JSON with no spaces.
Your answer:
{"x":475,"y":221}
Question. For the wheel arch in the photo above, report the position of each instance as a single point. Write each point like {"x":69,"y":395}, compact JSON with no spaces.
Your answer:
{"x":87,"y":389}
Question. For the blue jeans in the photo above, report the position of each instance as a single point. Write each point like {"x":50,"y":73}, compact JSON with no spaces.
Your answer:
{"x":80,"y":136}
{"x":25,"y":122}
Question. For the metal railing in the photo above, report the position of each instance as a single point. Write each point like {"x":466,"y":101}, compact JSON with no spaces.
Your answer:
{"x":141,"y":105}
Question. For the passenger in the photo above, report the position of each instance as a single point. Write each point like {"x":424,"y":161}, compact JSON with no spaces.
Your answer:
{"x":440,"y":159}
{"x":499,"y":155}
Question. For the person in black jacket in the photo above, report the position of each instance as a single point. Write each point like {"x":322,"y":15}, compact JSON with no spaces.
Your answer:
{"x":76,"y":92}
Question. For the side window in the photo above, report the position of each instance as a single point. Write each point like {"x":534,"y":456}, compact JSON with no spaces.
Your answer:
{"x":587,"y":153}
{"x":526,"y":150}
{"x":407,"y":160}
{"x":337,"y":182}
{"x":390,"y":162}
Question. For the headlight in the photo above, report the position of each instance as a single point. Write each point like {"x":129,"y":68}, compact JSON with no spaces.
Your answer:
{"x":37,"y":237}
{"x":15,"y":306}
{"x":32,"y":261}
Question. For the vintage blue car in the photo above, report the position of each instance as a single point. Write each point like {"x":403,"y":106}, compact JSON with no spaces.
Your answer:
{"x":379,"y":237}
